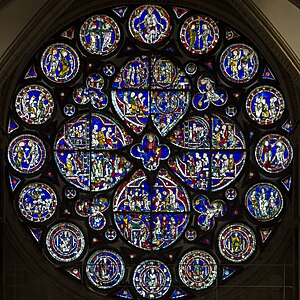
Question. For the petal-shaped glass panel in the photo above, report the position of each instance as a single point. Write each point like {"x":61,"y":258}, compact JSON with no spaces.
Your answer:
{"x":194,"y":133}
{"x":106,"y":134}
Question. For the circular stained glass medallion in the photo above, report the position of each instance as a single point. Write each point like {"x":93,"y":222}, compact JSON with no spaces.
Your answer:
{"x":264,"y":201}
{"x":26,"y":154}
{"x":149,"y":24}
{"x":199,"y":34}
{"x":237,"y":242}
{"x":265,"y":105}
{"x":65,"y":242}
{"x":152,"y":279}
{"x":37,"y":202}
{"x":197,"y":269}
{"x":274,"y":153}
{"x":105,"y":269}
{"x":60,"y":63}
{"x":100,"y":35}
{"x":34,"y":104}
{"x":239,"y":63}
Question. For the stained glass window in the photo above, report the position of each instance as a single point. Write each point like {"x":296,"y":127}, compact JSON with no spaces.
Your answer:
{"x":149,"y":151}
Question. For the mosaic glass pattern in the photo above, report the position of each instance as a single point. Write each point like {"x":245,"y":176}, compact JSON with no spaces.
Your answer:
{"x":37,"y":202}
{"x":105,"y":269}
{"x":152,"y":279}
{"x":65,"y":242}
{"x":265,"y":105}
{"x":198,"y":269}
{"x":34,"y":104}
{"x":149,"y":24}
{"x":236,"y":242}
{"x":147,"y":146}
{"x":100,"y":35}
{"x":60,"y":63}
{"x":264,"y":201}
{"x":239,"y":63}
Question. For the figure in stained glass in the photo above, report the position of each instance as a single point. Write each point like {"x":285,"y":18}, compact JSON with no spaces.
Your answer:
{"x":197,"y":269}
{"x":37,"y":202}
{"x":264,"y":201}
{"x":100,"y":35}
{"x":60,"y":63}
{"x":208,"y":94}
{"x":92,"y":92}
{"x":150,"y":151}
{"x":34,"y":104}
{"x":265,"y":105}
{"x":65,"y":242}
{"x":274,"y":153}
{"x":239,"y":63}
{"x":149,"y":24}
{"x":199,"y":34}
{"x":152,"y":279}
{"x":105,"y":269}
{"x":26,"y":154}
{"x":236,"y":242}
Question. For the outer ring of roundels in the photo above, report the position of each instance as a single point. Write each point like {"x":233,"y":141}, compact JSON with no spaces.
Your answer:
{"x":18,"y":166}
{"x":68,"y":231}
{"x":204,"y":263}
{"x":153,"y":265}
{"x":19,"y":103}
{"x":261,"y":90}
{"x":234,"y":63}
{"x":117,"y":270}
{"x":186,"y":28}
{"x":27,"y":211}
{"x":85,"y":28}
{"x":60,"y":64}
{"x":229,"y":242}
{"x":266,"y":202}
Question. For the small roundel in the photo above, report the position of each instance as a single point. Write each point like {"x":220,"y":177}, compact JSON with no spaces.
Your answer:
{"x":197,"y":269}
{"x":239,"y":63}
{"x":26,"y":153}
{"x":65,"y":242}
{"x":105,"y":269}
{"x":100,"y":35}
{"x":152,"y":279}
{"x":264,"y":202}
{"x":149,"y":24}
{"x":37,"y":202}
{"x":274,"y":153}
{"x":199,"y":34}
{"x":34,"y":104}
{"x":237,"y":242}
{"x":60,"y":63}
{"x":265,"y":105}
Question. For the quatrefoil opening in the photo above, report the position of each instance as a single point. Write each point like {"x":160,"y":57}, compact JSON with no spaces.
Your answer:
{"x":150,"y":151}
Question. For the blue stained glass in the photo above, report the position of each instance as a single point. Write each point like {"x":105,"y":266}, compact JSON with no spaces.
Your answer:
{"x":182,"y":115}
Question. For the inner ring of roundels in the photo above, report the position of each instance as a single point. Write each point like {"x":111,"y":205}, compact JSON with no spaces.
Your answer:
{"x":212,"y":152}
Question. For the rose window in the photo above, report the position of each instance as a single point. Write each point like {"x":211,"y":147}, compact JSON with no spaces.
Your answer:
{"x":149,"y":151}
